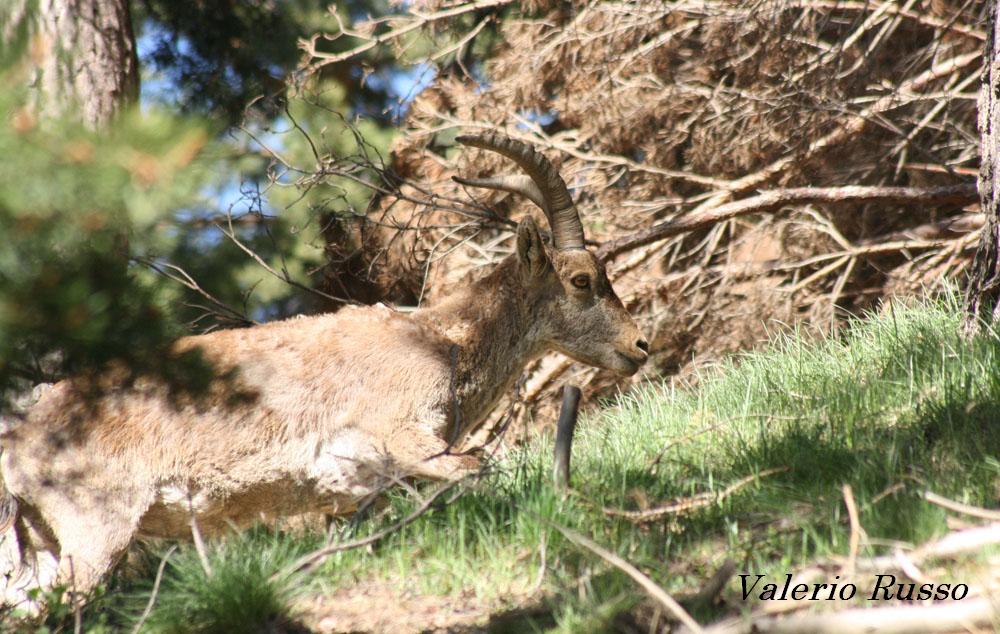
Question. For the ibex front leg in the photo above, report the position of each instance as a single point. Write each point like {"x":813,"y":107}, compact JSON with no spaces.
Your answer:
{"x":447,"y":466}
{"x":431,"y":456}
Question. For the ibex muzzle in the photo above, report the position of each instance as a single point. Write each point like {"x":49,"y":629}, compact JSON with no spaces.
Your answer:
{"x":345,"y":404}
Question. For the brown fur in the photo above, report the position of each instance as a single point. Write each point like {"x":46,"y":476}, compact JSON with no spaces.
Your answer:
{"x":340,"y":405}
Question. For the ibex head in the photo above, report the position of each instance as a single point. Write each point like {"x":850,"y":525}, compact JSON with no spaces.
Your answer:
{"x":579,"y":313}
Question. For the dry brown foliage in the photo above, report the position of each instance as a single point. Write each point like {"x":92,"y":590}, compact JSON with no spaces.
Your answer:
{"x":661,"y":112}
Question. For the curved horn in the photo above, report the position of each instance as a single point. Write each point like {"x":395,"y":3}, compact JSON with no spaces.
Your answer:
{"x":513,"y":183}
{"x":564,"y":220}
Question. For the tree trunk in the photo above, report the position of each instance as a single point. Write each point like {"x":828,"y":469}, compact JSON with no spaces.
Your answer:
{"x":981,"y":297}
{"x":83,"y":57}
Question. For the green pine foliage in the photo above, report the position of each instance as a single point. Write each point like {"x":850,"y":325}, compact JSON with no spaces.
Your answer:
{"x":86,"y":216}
{"x":76,"y":211}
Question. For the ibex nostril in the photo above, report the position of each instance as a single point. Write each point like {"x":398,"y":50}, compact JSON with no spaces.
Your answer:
{"x":643,"y":345}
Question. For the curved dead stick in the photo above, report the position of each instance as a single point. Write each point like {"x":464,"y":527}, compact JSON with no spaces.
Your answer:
{"x":647,"y":584}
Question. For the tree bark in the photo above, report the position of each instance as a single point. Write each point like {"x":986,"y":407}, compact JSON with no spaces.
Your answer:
{"x":983,"y":291}
{"x":83,"y":60}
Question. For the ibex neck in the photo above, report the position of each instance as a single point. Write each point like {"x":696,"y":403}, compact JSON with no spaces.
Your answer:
{"x":490,"y":324}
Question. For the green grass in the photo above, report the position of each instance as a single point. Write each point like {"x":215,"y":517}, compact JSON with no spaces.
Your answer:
{"x":898,"y":399}
{"x":238,"y":595}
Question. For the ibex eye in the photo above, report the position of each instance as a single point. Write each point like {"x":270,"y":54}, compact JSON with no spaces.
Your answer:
{"x":581,"y":281}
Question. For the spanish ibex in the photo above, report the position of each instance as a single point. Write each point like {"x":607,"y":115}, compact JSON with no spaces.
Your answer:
{"x":340,"y":403}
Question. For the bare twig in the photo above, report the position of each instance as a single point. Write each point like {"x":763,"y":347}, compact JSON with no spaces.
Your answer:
{"x":856,"y":530}
{"x":152,"y":594}
{"x":311,"y":560}
{"x":408,"y":23}
{"x":179,"y":275}
{"x":199,"y":546}
{"x":686,"y":505}
{"x":965,"y":509}
{"x":771,"y":200}
{"x":647,"y":584}
{"x":283,"y":276}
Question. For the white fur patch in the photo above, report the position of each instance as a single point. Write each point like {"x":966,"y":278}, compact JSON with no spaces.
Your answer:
{"x":18,"y":577}
{"x":181,"y":496}
{"x":342,"y":465}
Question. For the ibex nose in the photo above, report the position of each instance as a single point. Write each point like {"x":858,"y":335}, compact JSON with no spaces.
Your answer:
{"x":643,"y":345}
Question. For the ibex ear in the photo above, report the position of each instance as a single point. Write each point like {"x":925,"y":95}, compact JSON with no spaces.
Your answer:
{"x":530,"y":250}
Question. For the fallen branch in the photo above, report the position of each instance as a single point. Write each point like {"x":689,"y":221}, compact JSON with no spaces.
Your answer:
{"x":911,"y":619}
{"x":715,"y":585}
{"x":312,"y":560}
{"x":856,"y":530}
{"x":960,"y":542}
{"x":686,"y":505}
{"x":938,"y":617}
{"x":647,"y":584}
{"x":774,"y":199}
{"x":965,"y":509}
{"x":152,"y":594}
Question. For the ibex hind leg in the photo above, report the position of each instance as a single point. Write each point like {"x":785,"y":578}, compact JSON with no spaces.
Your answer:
{"x":28,"y":563}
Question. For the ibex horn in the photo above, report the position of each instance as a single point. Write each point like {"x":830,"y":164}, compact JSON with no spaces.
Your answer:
{"x":564,"y":435}
{"x":545,"y":188}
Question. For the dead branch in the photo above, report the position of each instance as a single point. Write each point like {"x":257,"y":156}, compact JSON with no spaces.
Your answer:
{"x":152,"y":593}
{"x":911,"y":619}
{"x":715,"y":584}
{"x":284,"y":275}
{"x":223,"y":312}
{"x":856,"y":531}
{"x":950,"y":545}
{"x":312,"y":560}
{"x":686,"y":505}
{"x":856,"y":123}
{"x":647,"y":584}
{"x":921,"y":18}
{"x":409,"y":22}
{"x":771,"y":200}
{"x":965,"y":509}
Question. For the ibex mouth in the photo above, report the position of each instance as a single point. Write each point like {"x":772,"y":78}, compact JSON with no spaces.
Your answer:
{"x":630,"y":364}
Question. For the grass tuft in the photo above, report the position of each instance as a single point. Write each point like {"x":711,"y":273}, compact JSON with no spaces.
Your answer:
{"x":238,"y":596}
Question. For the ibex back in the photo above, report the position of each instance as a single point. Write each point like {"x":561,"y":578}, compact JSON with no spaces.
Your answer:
{"x":339,"y":404}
